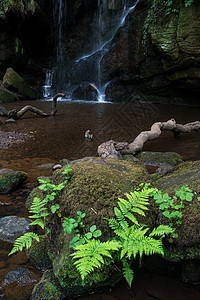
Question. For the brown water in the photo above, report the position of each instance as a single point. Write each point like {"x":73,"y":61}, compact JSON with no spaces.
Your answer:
{"x":63,"y":137}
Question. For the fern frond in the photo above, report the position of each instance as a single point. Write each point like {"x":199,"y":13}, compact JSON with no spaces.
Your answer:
{"x":37,"y":206}
{"x":161,"y":230}
{"x":90,"y":255}
{"x":137,"y":243}
{"x":127,"y":272}
{"x":118,"y":214}
{"x":24,"y":241}
{"x":113,"y":223}
{"x":132,"y":218}
{"x":38,"y":222}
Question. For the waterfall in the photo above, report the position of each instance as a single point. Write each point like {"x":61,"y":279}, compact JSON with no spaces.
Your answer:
{"x":109,"y":16}
{"x":48,"y":83}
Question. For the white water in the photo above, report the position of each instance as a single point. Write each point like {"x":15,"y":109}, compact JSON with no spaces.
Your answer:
{"x":103,"y":36}
{"x":48,"y":83}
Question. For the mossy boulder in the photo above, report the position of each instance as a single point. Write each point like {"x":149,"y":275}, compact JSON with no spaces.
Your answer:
{"x":96,"y":185}
{"x":6,"y":95}
{"x":160,"y":159}
{"x":47,"y":288}
{"x":93,"y":188}
{"x":15,"y":83}
{"x":185,"y":174}
{"x":10,"y":180}
{"x":38,"y":255}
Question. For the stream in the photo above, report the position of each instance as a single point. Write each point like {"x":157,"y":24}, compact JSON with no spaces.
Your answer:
{"x":52,"y":139}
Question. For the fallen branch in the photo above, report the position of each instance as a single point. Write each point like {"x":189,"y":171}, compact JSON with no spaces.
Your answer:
{"x":14,"y":114}
{"x":116,"y":149}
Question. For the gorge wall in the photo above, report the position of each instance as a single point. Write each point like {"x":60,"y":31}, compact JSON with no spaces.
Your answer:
{"x":149,"y":57}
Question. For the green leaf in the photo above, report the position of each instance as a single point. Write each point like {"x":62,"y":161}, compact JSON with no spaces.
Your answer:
{"x":38,"y":222}
{"x":93,"y":228}
{"x":97,"y":233}
{"x":127,"y":272}
{"x":24,"y":241}
{"x":88,"y":235}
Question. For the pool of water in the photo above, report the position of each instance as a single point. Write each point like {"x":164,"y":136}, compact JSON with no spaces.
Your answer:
{"x":62,"y":136}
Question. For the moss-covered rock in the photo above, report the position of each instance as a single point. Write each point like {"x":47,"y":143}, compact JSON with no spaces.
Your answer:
{"x":96,"y":185}
{"x":47,"y":288}
{"x":10,"y":180}
{"x":185,"y":174}
{"x":38,"y":254}
{"x":93,"y":188}
{"x":16,"y":83}
{"x":6,"y":95}
{"x":160,"y":158}
{"x":36,"y":192}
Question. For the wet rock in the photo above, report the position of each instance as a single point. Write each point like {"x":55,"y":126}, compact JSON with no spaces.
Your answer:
{"x":191,"y":271}
{"x":47,"y":288}
{"x":19,"y":283}
{"x":10,"y":121}
{"x":38,"y":254}
{"x":160,"y":159}
{"x":63,"y":162}
{"x":6,"y":95}
{"x":10,"y":180}
{"x":46,"y":166}
{"x":56,"y":167}
{"x":85,"y":92}
{"x":16,"y":83}
{"x":12,"y":227}
{"x":20,"y":275}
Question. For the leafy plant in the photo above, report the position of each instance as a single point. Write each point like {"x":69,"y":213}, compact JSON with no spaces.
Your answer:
{"x":131,"y":237}
{"x":71,"y":225}
{"x":40,"y":210}
{"x":171,"y":207}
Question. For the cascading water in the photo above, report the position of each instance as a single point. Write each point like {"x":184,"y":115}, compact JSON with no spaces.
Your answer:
{"x":109,"y":16}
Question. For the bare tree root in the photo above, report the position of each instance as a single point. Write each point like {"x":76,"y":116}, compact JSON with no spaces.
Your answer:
{"x":116,"y":149}
{"x":14,"y":114}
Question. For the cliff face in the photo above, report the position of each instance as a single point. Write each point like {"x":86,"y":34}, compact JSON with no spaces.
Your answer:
{"x":161,"y":63}
{"x":25,"y":39}
{"x":165,"y":66}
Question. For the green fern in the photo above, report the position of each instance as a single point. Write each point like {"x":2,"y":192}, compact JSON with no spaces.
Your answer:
{"x":127,"y":272}
{"x":24,"y":241}
{"x":91,"y":255}
{"x":130,"y":240}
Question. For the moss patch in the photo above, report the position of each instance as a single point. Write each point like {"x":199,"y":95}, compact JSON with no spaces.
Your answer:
{"x":9,"y":180}
{"x":188,"y":174}
{"x":17,"y":84}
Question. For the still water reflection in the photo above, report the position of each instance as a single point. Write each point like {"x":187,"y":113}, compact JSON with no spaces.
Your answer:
{"x":63,"y":137}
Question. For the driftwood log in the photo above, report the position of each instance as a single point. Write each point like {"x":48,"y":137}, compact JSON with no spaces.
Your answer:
{"x":115,"y":149}
{"x":14,"y":114}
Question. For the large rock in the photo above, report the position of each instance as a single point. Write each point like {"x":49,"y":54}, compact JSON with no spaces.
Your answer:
{"x":94,"y":188}
{"x":10,"y":180}
{"x":6,"y":95}
{"x":16,"y":83}
{"x":85,"y":92}
{"x":12,"y":227}
{"x":185,"y":174}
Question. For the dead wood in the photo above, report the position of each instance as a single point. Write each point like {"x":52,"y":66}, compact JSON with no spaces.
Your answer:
{"x":116,"y":149}
{"x":14,"y":114}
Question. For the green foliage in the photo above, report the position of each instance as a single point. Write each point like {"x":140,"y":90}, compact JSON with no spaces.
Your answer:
{"x":171,"y":207}
{"x":92,"y":254}
{"x":131,"y":238}
{"x":40,"y":210}
{"x":71,"y":225}
{"x":24,"y":241}
{"x":162,"y":8}
{"x":22,"y":6}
